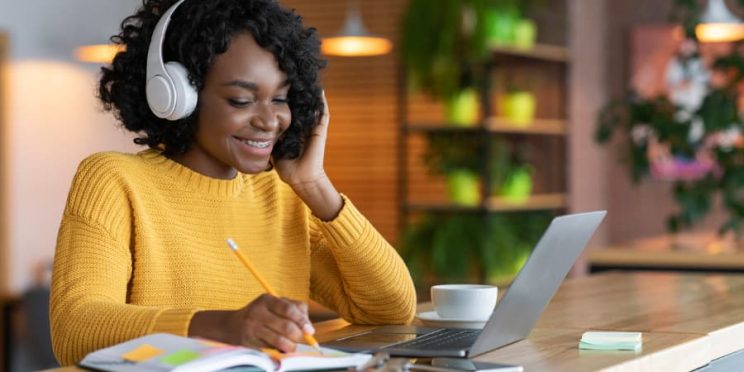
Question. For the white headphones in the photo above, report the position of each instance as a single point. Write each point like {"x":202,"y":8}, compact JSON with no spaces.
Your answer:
{"x":170,"y":95}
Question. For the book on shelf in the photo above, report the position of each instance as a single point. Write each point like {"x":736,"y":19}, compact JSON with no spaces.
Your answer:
{"x":167,"y":352}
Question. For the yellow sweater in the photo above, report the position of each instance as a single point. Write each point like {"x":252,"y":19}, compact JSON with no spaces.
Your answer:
{"x":141,"y":248}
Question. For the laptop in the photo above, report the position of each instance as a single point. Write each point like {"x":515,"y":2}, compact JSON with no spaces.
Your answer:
{"x":513,"y":317}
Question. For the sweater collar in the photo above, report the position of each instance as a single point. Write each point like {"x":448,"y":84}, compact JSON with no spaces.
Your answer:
{"x":192,"y":179}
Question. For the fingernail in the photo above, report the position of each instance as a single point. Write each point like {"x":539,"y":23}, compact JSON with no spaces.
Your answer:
{"x":308,"y":328}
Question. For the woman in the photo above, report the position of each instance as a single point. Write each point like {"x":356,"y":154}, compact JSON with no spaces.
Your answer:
{"x":141,"y":246}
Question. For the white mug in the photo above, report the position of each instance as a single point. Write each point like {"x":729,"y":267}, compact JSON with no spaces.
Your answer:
{"x":464,"y":301}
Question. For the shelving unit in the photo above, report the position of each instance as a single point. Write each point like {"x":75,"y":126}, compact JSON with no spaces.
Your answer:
{"x":555,"y":128}
{"x":545,"y":68}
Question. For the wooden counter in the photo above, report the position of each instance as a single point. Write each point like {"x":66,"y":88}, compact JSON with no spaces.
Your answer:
{"x":666,"y":259}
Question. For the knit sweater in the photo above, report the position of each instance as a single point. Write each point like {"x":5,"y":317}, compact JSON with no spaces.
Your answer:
{"x":141,"y":248}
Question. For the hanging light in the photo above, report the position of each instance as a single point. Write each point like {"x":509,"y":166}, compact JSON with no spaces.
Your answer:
{"x":717,"y":24}
{"x":354,"y":40}
{"x":98,"y":53}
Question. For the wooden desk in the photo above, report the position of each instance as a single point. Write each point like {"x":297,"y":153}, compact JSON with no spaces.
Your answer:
{"x":688,"y":320}
{"x":664,"y":259}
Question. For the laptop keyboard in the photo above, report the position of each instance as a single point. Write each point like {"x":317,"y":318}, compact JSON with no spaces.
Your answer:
{"x":444,"y":338}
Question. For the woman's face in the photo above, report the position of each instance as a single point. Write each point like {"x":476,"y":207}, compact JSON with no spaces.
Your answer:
{"x":243,"y":111}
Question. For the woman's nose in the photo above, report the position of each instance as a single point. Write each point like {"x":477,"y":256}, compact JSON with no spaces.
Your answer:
{"x":266,"y":117}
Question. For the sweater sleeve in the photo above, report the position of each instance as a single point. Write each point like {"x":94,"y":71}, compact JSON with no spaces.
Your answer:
{"x":357,"y":272}
{"x":92,"y":270}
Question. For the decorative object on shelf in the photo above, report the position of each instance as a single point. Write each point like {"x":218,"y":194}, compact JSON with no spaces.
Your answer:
{"x":354,"y":40}
{"x":519,"y":107}
{"x":463,"y":187}
{"x":525,"y":34}
{"x":683,"y":120}
{"x":463,"y":108}
{"x":511,"y":173}
{"x":506,"y":27}
{"x":458,"y":157}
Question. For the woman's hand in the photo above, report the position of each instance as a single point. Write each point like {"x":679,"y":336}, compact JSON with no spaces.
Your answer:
{"x":306,"y":174}
{"x":267,"y":321}
{"x":308,"y":169}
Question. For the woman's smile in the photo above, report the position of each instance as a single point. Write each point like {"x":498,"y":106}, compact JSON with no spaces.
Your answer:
{"x":255,"y":146}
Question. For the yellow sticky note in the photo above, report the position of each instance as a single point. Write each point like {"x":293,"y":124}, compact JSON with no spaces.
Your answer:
{"x":142,"y":353}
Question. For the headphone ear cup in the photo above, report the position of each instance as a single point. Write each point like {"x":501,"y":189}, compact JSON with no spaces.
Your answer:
{"x":186,"y":94}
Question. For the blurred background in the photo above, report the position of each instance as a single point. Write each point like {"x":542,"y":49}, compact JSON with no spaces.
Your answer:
{"x":459,"y":132}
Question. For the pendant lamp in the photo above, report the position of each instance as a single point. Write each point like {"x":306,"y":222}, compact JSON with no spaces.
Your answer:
{"x":718,"y":24}
{"x":354,"y":40}
{"x":97,"y":53}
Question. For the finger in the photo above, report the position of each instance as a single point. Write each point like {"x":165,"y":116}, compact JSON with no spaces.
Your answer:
{"x":326,"y":110}
{"x":294,"y":311}
{"x":284,"y":328}
{"x":274,"y":339}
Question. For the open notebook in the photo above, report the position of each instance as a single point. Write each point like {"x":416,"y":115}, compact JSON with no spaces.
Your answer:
{"x":166,"y":352}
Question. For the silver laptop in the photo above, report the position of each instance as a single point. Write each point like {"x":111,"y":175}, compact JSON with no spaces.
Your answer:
{"x":513,"y":317}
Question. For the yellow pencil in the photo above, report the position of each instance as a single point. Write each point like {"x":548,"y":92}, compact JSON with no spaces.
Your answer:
{"x":234,"y":246}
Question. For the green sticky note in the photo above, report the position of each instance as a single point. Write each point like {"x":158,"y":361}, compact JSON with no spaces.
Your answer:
{"x":179,"y":357}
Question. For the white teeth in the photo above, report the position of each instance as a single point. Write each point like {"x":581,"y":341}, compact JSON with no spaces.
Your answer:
{"x":258,"y":144}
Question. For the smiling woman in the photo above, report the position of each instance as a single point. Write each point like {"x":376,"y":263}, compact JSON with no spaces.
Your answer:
{"x":226,"y":95}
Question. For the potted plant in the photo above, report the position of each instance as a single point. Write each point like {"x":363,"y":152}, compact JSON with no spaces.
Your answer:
{"x":444,"y":49}
{"x":457,"y":156}
{"x":471,"y":248}
{"x":511,"y":172}
{"x":701,"y":151}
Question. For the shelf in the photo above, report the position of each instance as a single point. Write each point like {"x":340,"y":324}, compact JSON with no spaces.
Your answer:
{"x":497,"y":204}
{"x":441,"y":127}
{"x":539,"y":126}
{"x":540,"y":52}
{"x":497,"y":125}
{"x":533,"y":203}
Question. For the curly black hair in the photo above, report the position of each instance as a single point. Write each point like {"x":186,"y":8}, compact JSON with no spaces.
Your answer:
{"x":200,"y":30}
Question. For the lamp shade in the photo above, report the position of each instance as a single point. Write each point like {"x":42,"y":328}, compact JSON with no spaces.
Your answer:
{"x":97,"y":53}
{"x":354,"y":40}
{"x":718,"y":24}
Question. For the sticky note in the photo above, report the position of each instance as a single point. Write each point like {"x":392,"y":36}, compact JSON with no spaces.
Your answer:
{"x":142,"y":353}
{"x":179,"y":357}
{"x":596,"y":340}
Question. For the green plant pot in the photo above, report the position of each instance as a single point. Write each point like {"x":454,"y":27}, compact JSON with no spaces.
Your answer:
{"x":520,"y":108}
{"x":525,"y":34}
{"x":518,"y":185}
{"x":500,"y":24}
{"x":463,"y":187}
{"x":463,"y":108}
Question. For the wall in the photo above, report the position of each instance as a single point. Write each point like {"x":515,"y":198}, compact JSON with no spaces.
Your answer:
{"x":588,"y":77}
{"x":52,"y":121}
{"x":361,"y":155}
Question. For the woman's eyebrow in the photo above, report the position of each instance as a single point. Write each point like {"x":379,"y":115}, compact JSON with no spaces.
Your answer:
{"x":250,"y":85}
{"x":242,"y":84}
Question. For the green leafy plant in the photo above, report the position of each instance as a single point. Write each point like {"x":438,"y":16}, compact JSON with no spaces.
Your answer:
{"x":444,"y":46}
{"x":719,"y":115}
{"x":470,"y":247}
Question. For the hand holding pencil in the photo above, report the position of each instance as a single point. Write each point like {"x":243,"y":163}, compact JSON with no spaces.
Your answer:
{"x":307,"y":328}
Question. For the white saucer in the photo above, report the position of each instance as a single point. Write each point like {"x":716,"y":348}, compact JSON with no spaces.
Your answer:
{"x":432,"y":319}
